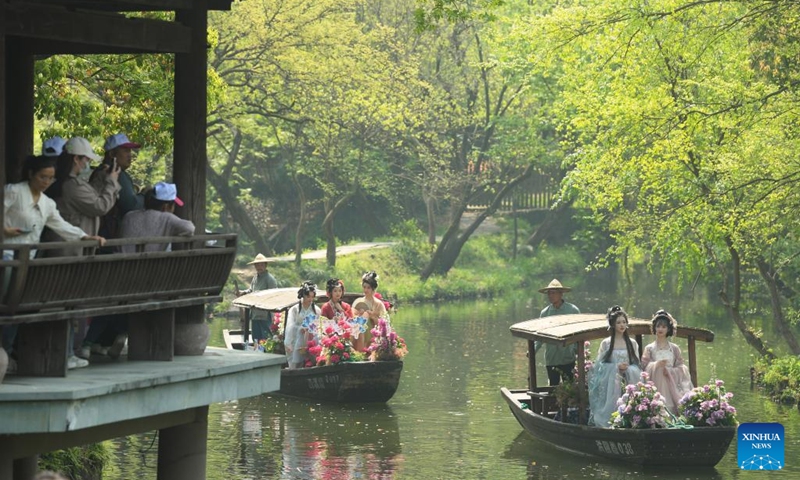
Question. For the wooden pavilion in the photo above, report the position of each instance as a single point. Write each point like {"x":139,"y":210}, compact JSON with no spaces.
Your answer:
{"x":42,"y":408}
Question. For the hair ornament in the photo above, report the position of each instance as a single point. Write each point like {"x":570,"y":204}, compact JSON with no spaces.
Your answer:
{"x":370,"y":278}
{"x":305,"y":289}
{"x":612,"y":315}
{"x":333,"y":283}
{"x":664,"y":315}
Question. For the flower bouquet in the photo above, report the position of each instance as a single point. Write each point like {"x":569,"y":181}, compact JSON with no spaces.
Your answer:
{"x":274,"y":344}
{"x":708,"y":406}
{"x":641,"y":406}
{"x":386,"y":344}
{"x":334,"y":346}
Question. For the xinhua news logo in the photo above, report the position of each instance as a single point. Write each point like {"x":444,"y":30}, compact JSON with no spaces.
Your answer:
{"x":760,"y":446}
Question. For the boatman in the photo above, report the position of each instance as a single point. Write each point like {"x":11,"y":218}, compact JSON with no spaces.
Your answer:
{"x":560,"y":361}
{"x":261,"y":319}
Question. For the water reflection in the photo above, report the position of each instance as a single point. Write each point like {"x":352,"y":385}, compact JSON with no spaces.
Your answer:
{"x":298,"y":439}
{"x":448,"y":420}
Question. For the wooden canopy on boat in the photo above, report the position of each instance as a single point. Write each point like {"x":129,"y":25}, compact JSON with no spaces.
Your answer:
{"x":279,"y":299}
{"x":274,"y":299}
{"x":566,"y":329}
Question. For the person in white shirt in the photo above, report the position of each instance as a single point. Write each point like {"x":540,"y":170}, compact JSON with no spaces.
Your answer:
{"x":26,"y":211}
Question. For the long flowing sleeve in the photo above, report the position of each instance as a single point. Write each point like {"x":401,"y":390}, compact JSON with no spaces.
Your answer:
{"x":647,"y":359}
{"x":292,"y":330}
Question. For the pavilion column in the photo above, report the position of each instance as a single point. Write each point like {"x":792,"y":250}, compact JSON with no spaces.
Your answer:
{"x":2,"y":132}
{"x":182,"y":449}
{"x":189,"y":166}
{"x":19,"y":105}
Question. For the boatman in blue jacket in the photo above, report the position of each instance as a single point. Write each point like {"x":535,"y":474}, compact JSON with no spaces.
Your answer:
{"x":260,"y":319}
{"x":560,"y":361}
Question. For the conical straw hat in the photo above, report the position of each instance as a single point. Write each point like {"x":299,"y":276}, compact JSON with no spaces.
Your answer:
{"x":554,"y":285}
{"x":259,"y":259}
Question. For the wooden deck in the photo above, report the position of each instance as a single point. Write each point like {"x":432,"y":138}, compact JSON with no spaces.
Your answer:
{"x":122,"y":398}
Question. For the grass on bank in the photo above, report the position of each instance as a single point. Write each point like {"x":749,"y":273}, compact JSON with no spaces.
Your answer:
{"x":484,"y":268}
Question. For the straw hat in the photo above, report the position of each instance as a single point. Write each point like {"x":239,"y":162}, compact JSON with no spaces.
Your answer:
{"x":259,"y":259}
{"x":554,"y":285}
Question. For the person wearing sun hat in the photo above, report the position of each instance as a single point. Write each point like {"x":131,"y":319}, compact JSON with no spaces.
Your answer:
{"x":263,"y":280}
{"x":79,"y":202}
{"x":118,"y":154}
{"x":157,"y":220}
{"x":560,"y":361}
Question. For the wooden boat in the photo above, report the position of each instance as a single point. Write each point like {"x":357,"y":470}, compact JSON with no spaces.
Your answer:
{"x":350,"y":382}
{"x":535,"y":407}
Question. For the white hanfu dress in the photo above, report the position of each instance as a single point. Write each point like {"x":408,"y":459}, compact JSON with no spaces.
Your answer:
{"x":606,"y":382}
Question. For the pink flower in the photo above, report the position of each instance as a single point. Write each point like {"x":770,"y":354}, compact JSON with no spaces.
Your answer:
{"x":334,"y":358}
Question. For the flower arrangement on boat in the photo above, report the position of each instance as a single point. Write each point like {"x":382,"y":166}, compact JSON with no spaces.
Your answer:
{"x":334,"y":346}
{"x":386,"y":344}
{"x":566,"y":392}
{"x":708,"y":405}
{"x":641,"y":406}
{"x":274,"y":344}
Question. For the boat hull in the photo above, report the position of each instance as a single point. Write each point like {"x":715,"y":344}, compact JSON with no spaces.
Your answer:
{"x":657,"y":447}
{"x":352,"y":382}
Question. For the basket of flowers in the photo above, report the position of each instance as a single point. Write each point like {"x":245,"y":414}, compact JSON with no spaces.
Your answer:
{"x":386,"y":344}
{"x":708,"y":406}
{"x":334,"y":346}
{"x":641,"y":406}
{"x":274,"y":344}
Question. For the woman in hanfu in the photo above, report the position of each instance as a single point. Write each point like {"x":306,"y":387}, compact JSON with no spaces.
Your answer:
{"x":617,"y":365}
{"x":663,"y":362}
{"x":297,"y":334}
{"x":335,"y":308}
{"x":375,"y":309}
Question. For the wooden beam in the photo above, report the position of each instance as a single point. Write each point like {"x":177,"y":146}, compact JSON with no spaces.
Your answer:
{"x":191,"y":87}
{"x":3,"y":179}
{"x":105,"y":30}
{"x":19,"y":106}
{"x":134,"y":5}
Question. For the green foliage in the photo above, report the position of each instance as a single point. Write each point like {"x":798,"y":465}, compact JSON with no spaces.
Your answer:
{"x":413,"y":248}
{"x":79,"y":463}
{"x":780,"y":378}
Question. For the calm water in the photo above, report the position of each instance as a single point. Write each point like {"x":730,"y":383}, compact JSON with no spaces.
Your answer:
{"x":447,"y":420}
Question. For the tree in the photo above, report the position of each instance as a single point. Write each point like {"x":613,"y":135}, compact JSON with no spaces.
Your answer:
{"x":684,"y":138}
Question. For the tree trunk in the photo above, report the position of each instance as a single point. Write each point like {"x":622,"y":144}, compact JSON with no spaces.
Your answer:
{"x":238,"y":212}
{"x":450,"y":247}
{"x":777,"y":311}
{"x":543,"y":230}
{"x":301,"y":223}
{"x":431,"y":213}
{"x":327,"y":226}
{"x":733,"y":305}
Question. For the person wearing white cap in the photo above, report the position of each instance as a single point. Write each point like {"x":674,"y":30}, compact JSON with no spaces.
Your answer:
{"x":53,"y":146}
{"x":560,"y":361}
{"x":118,"y":153}
{"x":261,"y":319}
{"x":157,"y":220}
{"x":80,"y":203}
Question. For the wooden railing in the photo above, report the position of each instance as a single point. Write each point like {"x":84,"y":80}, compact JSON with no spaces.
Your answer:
{"x":91,"y":280}
{"x":46,"y":292}
{"x":535,"y":193}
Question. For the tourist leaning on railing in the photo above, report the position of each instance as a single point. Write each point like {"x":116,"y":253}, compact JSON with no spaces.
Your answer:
{"x":157,"y":220}
{"x":27,"y":210}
